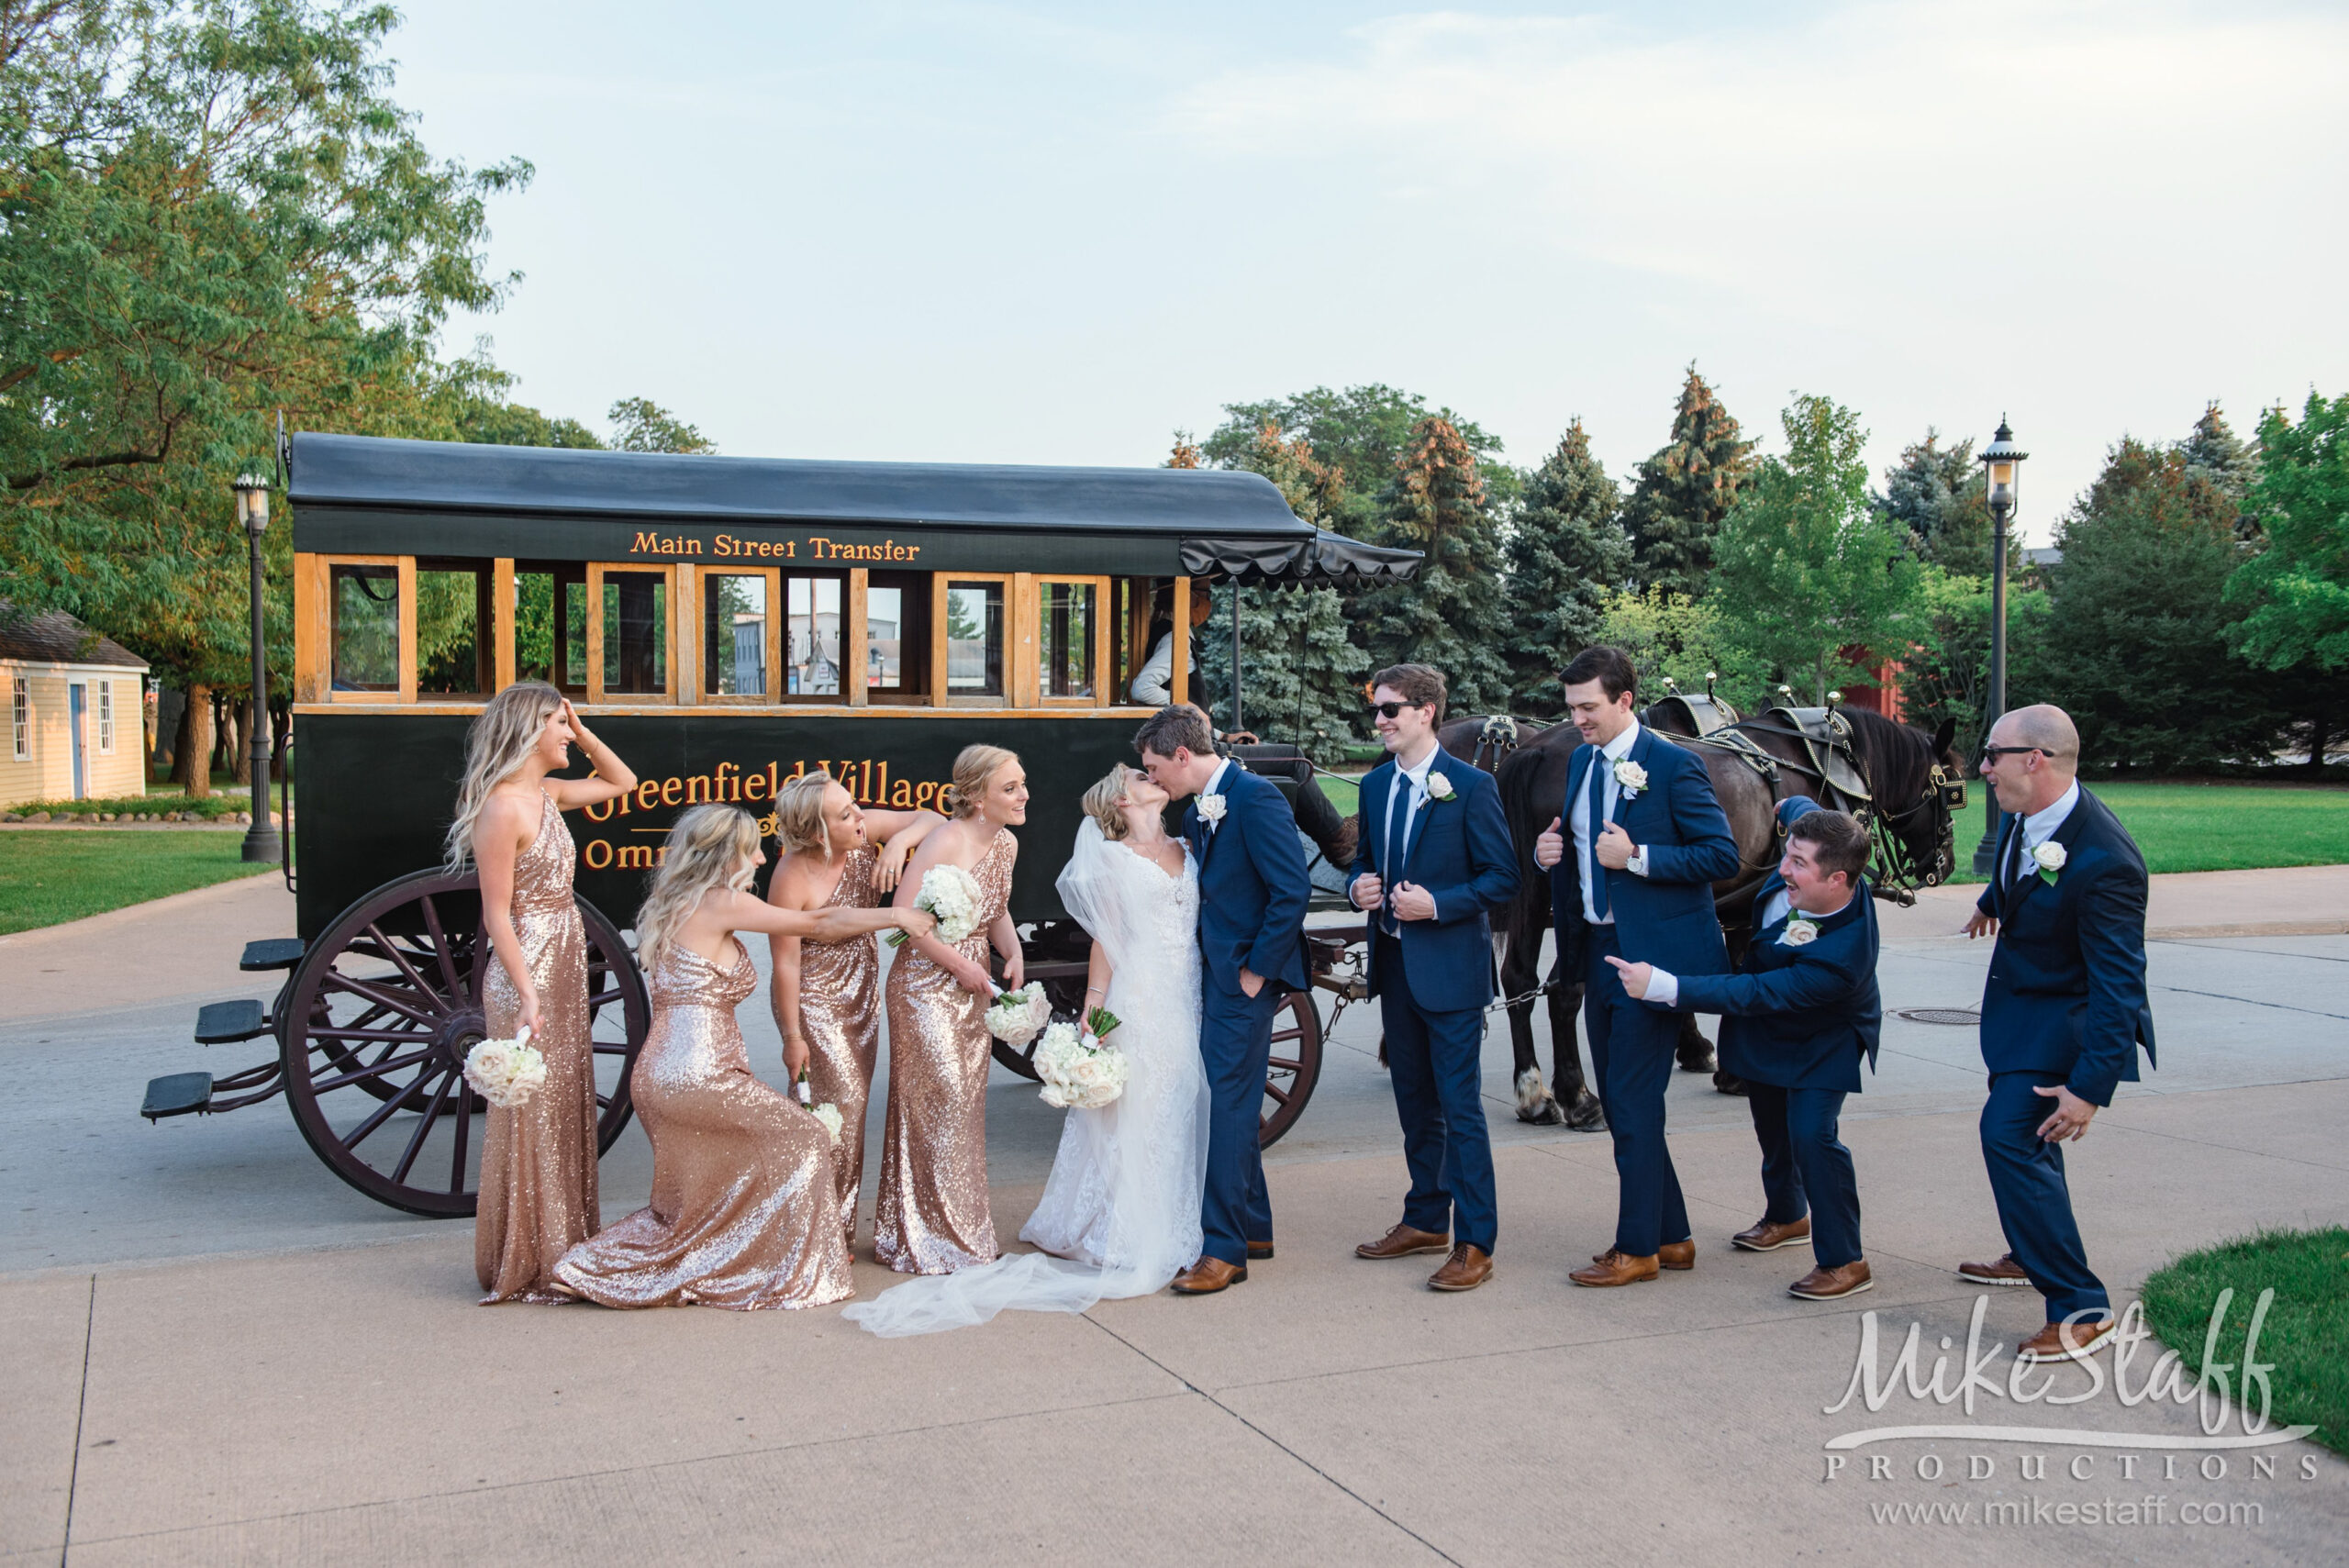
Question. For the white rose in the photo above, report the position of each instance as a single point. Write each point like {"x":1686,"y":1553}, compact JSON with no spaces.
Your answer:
{"x":1439,"y":787}
{"x":2050,"y":856}
{"x":1800,"y":934}
{"x":1211,"y":808}
{"x":1633,"y":777}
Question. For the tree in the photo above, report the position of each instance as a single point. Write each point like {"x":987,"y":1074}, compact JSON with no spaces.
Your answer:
{"x":1936,"y":497}
{"x":1808,"y":575}
{"x":1453,"y":613}
{"x":1686,"y":641}
{"x":1360,"y":434}
{"x":2214,"y":451}
{"x":1567,"y":553}
{"x":1945,"y":674}
{"x":1685,"y":490}
{"x":2137,"y":640}
{"x":641,"y":424}
{"x":2295,"y":591}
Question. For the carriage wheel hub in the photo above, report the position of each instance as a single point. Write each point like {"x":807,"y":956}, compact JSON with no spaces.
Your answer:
{"x":459,"y":1033}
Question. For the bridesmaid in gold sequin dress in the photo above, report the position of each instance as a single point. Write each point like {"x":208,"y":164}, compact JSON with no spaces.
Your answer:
{"x":744,"y":1214}
{"x":932,"y":1215}
{"x":537,"y":1159}
{"x":826,"y":995}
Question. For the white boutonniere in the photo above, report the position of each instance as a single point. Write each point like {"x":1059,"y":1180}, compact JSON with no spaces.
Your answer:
{"x":2051,"y":858}
{"x":1439,"y":787}
{"x":1632,"y":777}
{"x":1800,"y":934}
{"x":1211,"y":808}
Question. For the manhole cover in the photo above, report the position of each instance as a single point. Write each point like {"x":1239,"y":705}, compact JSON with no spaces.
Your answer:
{"x":1940,"y":1015}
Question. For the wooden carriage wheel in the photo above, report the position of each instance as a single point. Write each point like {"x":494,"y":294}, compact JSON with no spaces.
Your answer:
{"x":379,"y":1015}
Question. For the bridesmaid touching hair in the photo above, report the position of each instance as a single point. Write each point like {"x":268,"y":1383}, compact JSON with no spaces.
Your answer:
{"x":932,"y":1215}
{"x":827,"y":994}
{"x":537,"y":1159}
{"x":744,"y":1214}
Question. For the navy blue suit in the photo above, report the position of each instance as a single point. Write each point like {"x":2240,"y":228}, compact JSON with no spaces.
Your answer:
{"x":1252,"y":895}
{"x":2064,"y":1004}
{"x":1433,"y":979}
{"x":1666,"y":918}
{"x":1796,"y":1022}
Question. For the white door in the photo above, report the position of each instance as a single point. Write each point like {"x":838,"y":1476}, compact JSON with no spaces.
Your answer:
{"x":78,"y":706}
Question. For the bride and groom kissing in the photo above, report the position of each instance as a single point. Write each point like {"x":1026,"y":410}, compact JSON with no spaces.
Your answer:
{"x":1165,"y":1186}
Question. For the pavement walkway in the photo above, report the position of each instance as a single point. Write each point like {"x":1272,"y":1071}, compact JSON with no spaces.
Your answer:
{"x":221,"y":1354}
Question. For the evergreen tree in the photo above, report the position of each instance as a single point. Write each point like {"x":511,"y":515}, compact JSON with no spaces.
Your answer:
{"x":1936,"y":497}
{"x":1567,"y":553}
{"x":1453,"y":613}
{"x":2296,"y":586}
{"x":1359,"y":433}
{"x":2214,"y":451}
{"x":1685,"y":490}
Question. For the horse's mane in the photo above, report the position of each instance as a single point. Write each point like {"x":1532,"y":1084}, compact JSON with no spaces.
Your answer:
{"x":1899,"y":755}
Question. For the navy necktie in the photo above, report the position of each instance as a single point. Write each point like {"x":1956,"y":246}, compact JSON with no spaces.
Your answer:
{"x":1398,"y":823}
{"x":1597,"y":827}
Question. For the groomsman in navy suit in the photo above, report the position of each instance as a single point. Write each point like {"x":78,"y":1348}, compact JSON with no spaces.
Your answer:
{"x":2063,"y":1012}
{"x":1435,"y":862}
{"x":1799,"y":1017}
{"x":1631,"y":868}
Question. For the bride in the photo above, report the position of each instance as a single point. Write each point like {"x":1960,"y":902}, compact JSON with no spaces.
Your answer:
{"x":1120,"y":1211}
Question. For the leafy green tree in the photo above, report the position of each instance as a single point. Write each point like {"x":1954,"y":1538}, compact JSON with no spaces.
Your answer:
{"x":1567,"y":553}
{"x":1454,"y":613}
{"x":1810,"y":577}
{"x":1360,"y":434}
{"x":2137,"y":644}
{"x":1683,"y":491}
{"x":641,"y":424}
{"x":1946,"y":671}
{"x":1686,"y":641}
{"x":2296,"y":589}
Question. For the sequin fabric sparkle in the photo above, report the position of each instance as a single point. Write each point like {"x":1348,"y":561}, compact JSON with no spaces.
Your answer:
{"x":538,"y":1160}
{"x":931,"y":1217}
{"x":743,"y":1212}
{"x":839,"y":1014}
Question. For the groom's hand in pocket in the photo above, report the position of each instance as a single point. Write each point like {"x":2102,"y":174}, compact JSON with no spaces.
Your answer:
{"x":1250,"y":981}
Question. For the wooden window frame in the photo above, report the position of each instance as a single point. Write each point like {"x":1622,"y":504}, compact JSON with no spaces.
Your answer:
{"x":105,"y":715}
{"x":505,"y":588}
{"x":849,"y":579}
{"x":20,"y":715}
{"x":1013,"y":687}
{"x":314,"y":629}
{"x":773,"y":579}
{"x":913,"y":654}
{"x":1178,"y":675}
{"x":1104,"y":643}
{"x":488,"y":613}
{"x":596,"y":696}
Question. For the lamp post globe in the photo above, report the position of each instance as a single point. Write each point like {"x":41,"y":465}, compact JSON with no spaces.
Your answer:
{"x":2001,"y":471}
{"x":261,"y":840}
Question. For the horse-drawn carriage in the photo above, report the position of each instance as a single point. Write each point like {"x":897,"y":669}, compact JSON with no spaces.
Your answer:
{"x":727,"y":624}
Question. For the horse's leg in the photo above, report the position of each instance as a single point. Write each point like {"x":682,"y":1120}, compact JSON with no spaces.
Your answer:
{"x":1584,"y":1113}
{"x":1520,"y":973}
{"x":1694,"y":1050}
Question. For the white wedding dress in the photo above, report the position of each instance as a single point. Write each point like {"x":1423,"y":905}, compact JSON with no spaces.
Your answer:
{"x":1122,"y":1205}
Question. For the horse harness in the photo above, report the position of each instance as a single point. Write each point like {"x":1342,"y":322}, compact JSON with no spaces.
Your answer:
{"x":1499,"y":736}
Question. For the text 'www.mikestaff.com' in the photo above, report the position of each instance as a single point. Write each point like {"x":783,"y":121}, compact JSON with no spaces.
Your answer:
{"x":2042,"y":1513}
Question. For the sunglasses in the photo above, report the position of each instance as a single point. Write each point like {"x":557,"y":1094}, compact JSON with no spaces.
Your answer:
{"x":1991,"y":754}
{"x":1390,"y":709}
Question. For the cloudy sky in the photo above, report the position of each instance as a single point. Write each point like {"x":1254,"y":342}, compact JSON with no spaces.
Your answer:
{"x":1041,"y":233}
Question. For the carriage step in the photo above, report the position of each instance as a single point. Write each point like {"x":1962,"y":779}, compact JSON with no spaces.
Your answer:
{"x":177,"y":1094}
{"x":270,"y":952}
{"x":223,"y":1023}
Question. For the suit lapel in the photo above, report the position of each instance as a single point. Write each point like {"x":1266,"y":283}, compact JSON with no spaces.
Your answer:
{"x":1418,"y":821}
{"x":1637,"y":754}
{"x":2066,"y":831}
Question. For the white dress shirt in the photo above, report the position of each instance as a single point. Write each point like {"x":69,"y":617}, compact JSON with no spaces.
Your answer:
{"x":1150,"y":682}
{"x":1214,"y":787}
{"x":1664,"y":986}
{"x":1410,"y":787}
{"x":1602,"y":776}
{"x":2037,"y":828}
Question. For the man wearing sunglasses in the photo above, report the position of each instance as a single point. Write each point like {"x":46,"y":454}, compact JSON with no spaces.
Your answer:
{"x":2063,"y":1012}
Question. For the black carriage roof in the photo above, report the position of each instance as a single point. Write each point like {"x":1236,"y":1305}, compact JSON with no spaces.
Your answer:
{"x":364,"y":492}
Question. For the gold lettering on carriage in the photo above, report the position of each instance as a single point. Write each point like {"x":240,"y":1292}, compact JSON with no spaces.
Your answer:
{"x":735,"y":546}
{"x":728,"y":783}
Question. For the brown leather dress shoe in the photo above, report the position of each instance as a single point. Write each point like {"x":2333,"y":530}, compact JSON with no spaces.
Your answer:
{"x":1402,"y":1241}
{"x":1768,"y":1235}
{"x":1832,"y":1285}
{"x":2065,"y":1342}
{"x":1259,"y":1251}
{"x":1467,"y":1268}
{"x":1208,"y":1275}
{"x":1615,"y":1268}
{"x":1677,"y":1254}
{"x":2006,"y":1271}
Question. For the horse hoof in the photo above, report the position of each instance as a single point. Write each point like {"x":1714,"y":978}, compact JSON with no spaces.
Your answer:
{"x":1544,"y":1112}
{"x":1729,"y":1082}
{"x":1694,"y":1063}
{"x":1587,"y":1116}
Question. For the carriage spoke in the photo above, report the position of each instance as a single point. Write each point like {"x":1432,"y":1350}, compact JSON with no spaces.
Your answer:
{"x":423,"y":1126}
{"x":376,"y":1117}
{"x":367,"y":1037}
{"x":440,"y":948}
{"x":1286,"y":1064}
{"x":391,"y":951}
{"x":374,"y":992}
{"x":377,"y":1071}
{"x":1281,"y":1096}
{"x":598,"y":998}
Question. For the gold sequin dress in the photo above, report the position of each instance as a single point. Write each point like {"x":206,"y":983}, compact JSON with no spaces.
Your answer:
{"x":538,"y":1160}
{"x":840,"y":1014}
{"x":932,"y":1215}
{"x":743,"y":1214}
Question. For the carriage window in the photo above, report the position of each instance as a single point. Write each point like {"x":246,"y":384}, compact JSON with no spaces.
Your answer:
{"x":734,"y":635}
{"x":451,"y":613}
{"x":896,"y":636}
{"x":366,"y":628}
{"x":811,"y":628}
{"x":550,"y":626}
{"x":1064,"y":636}
{"x":636,"y":632}
{"x":974,"y":639}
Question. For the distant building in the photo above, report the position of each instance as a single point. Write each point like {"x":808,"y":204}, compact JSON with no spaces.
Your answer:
{"x":2044,"y":557}
{"x":76,"y":711}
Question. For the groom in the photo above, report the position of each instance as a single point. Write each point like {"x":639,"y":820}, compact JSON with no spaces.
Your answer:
{"x":1253,"y":894}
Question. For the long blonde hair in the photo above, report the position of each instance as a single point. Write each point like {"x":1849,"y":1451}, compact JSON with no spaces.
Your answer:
{"x":710,"y":847}
{"x":800,"y":820}
{"x":496,"y":745}
{"x":972,"y":769}
{"x":1105,"y":802}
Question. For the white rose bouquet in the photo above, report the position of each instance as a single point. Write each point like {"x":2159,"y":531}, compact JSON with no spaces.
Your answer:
{"x":1016,"y":1018}
{"x":952,"y":895}
{"x":829,"y":1115}
{"x":505,"y":1072}
{"x":1078,"y":1074}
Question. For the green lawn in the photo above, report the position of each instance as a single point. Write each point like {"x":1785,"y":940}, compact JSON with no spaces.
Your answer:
{"x":2305,"y":1335}
{"x":48,"y":877}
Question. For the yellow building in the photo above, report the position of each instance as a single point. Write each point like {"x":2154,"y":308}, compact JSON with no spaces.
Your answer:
{"x":76,"y":715}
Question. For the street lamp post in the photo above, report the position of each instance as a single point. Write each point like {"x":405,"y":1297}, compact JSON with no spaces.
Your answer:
{"x":262,"y":841}
{"x":2001,"y":463}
